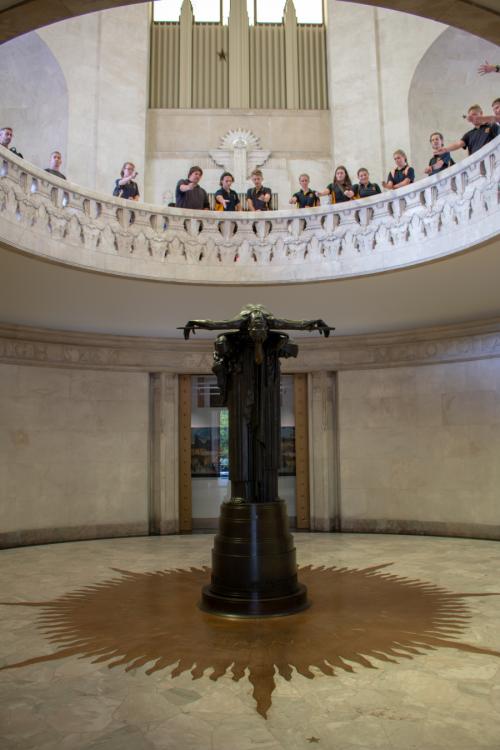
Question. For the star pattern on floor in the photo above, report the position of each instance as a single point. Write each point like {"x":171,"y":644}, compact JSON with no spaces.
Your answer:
{"x":358,"y":618}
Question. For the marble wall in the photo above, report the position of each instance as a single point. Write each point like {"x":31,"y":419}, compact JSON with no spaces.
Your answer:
{"x":437,"y":102}
{"x":408,"y":448}
{"x":34,"y":99}
{"x":73,"y":453}
{"x":176,"y":139}
{"x":370,"y":72}
{"x":419,"y":448}
{"x":105,"y":60}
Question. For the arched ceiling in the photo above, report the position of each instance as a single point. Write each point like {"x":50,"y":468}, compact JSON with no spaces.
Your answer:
{"x":45,"y":295}
{"x":480,"y":17}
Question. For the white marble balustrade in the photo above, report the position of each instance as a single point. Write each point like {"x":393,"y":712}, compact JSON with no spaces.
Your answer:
{"x":437,"y":216}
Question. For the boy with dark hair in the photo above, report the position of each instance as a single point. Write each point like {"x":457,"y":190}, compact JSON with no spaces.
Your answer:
{"x":258,"y":197}
{"x":364,"y":188}
{"x":438,"y":161}
{"x":225,"y":198}
{"x":188,"y":194}
{"x":474,"y":139}
{"x":6,"y":135}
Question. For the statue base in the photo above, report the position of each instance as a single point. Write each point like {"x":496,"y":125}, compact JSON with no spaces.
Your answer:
{"x":254,"y":570}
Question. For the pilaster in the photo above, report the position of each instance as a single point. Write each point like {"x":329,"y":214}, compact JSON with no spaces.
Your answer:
{"x":239,"y":56}
{"x":164,"y":457}
{"x":323,"y":459}
{"x":291,"y":56}
{"x":186,"y":55}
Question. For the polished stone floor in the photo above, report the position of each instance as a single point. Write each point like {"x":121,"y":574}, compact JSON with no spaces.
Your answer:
{"x":400,"y":649}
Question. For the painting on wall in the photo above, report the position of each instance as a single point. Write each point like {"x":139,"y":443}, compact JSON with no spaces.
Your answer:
{"x":287,"y":466}
{"x":209,"y":452}
{"x":205,"y":449}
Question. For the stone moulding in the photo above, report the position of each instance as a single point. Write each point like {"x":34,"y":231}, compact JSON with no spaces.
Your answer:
{"x":436,"y":217}
{"x":22,"y":345}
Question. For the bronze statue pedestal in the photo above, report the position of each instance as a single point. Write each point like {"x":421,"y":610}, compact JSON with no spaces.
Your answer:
{"x":254,"y":571}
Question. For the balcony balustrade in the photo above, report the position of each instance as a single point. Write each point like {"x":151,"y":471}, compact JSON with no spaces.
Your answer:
{"x":441,"y":215}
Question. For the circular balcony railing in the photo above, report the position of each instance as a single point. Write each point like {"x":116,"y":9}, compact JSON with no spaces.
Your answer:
{"x":435,"y":217}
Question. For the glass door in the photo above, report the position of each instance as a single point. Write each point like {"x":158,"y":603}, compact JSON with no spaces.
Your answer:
{"x":210,"y":485}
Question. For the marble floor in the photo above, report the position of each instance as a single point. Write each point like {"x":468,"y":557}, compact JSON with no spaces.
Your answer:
{"x":102,"y":646}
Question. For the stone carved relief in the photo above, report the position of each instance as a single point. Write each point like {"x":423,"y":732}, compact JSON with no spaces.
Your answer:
{"x":426,"y":220}
{"x":239,"y":152}
{"x":451,"y":345}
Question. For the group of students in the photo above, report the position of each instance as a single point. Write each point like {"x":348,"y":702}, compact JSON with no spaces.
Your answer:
{"x":342,"y":189}
{"x":189,"y":193}
{"x":55,"y":161}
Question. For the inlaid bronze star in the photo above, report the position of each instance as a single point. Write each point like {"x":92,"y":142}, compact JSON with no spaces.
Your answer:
{"x":357,"y":617}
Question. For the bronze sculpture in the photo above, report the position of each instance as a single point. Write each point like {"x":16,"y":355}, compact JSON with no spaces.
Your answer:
{"x":254,"y":569}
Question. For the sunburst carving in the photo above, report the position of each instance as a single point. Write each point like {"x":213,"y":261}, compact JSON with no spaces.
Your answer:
{"x":238,"y":138}
{"x":358,"y":618}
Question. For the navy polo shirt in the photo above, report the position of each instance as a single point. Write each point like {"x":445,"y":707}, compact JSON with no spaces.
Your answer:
{"x":56,"y":173}
{"x":258,"y":204}
{"x":478,"y":137}
{"x":338,"y":195}
{"x":129,"y":190}
{"x":445,"y":158}
{"x":306,"y":200}
{"x":401,"y":174}
{"x":366,"y":191}
{"x":197,"y":198}
{"x":230,"y":196}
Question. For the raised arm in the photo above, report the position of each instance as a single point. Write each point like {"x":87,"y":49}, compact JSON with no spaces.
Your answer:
{"x":301,"y":325}
{"x":452,"y":147}
{"x":210,"y":325}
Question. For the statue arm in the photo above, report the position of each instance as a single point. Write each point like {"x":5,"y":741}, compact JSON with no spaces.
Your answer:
{"x":301,"y":325}
{"x":211,"y":325}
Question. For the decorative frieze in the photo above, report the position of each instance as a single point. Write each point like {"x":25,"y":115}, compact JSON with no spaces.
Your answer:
{"x":453,"y":343}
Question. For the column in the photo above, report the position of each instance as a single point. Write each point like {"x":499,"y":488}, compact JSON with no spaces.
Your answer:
{"x":323,"y":452}
{"x":302,"y":483}
{"x":186,"y":55}
{"x":239,"y":56}
{"x":291,"y":56}
{"x":164,"y":454}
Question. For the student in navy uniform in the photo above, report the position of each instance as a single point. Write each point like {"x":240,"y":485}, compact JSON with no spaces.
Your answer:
{"x":438,"y":161}
{"x":402,"y":174}
{"x":258,"y":197}
{"x":6,"y":135}
{"x":305,"y":197}
{"x":54,"y":164}
{"x":340,"y":190}
{"x":125,"y":187}
{"x":225,"y":198}
{"x":476,"y":138}
{"x":485,"y":119}
{"x":365,"y":188}
{"x":189,"y":194}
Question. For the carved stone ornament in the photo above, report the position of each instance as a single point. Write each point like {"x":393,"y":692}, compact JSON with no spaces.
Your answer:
{"x":239,"y":153}
{"x":441,"y":215}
